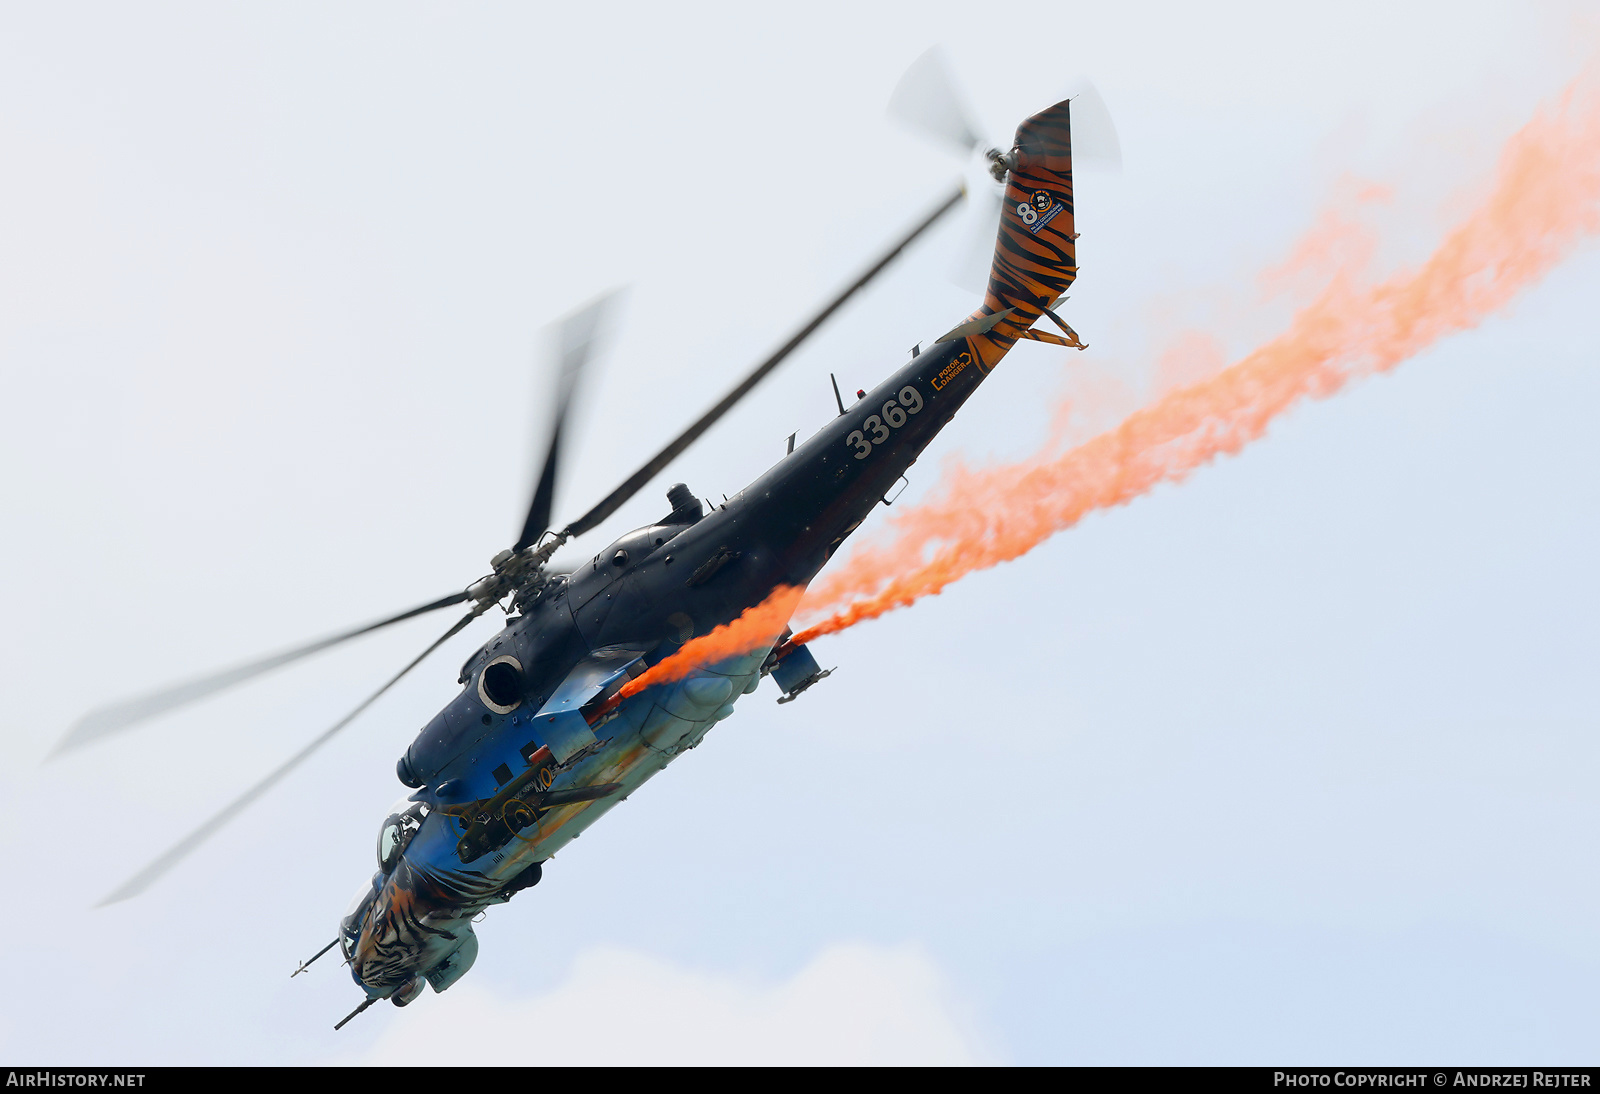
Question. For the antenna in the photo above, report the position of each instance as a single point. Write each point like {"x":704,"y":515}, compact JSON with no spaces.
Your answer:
{"x":304,"y":965}
{"x":836,"y":397}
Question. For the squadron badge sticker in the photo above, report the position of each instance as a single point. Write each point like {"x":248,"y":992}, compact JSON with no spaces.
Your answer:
{"x":1038,"y":211}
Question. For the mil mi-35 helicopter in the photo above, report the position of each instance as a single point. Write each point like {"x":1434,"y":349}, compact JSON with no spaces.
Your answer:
{"x":542,"y":741}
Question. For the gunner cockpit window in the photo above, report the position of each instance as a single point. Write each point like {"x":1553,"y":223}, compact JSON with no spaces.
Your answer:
{"x":404,"y":818}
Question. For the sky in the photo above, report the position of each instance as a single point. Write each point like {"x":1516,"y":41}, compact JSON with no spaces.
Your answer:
{"x":1291,"y":762}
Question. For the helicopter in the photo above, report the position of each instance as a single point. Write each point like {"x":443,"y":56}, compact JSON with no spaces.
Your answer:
{"x":547,"y":735}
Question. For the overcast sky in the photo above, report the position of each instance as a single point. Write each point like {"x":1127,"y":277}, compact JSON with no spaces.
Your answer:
{"x":1291,"y":763}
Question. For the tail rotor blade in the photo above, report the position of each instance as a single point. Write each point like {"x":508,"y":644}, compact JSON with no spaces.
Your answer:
{"x":181,"y":850}
{"x":975,"y":256}
{"x":577,"y":339}
{"x":1094,"y":135}
{"x":119,"y":716}
{"x":927,"y":100}
{"x":1094,"y":145}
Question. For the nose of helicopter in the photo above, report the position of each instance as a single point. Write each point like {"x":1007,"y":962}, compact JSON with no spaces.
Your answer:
{"x":388,"y":951}
{"x":402,"y":942}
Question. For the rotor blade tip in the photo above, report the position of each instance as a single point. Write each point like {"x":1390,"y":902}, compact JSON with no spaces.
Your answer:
{"x":118,"y":896}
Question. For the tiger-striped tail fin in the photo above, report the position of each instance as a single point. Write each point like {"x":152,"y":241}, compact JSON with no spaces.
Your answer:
{"x":1035,"y":256}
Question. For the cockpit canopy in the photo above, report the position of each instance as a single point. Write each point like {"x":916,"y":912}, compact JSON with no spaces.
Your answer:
{"x":355,"y":916}
{"x":404,"y":818}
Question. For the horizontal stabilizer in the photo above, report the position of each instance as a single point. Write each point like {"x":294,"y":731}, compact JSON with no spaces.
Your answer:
{"x":1053,"y":339}
{"x":981,"y":325}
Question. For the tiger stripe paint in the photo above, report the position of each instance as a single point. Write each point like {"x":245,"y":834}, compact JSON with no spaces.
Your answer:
{"x":1033,"y":264}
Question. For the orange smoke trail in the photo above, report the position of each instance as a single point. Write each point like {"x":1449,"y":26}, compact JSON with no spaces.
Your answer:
{"x":1545,"y":200}
{"x":757,"y":627}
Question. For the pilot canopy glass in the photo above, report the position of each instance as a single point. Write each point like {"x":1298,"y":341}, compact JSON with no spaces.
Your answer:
{"x":397,"y":830}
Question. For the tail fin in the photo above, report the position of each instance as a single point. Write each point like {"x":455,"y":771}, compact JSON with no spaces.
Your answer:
{"x":1035,"y":256}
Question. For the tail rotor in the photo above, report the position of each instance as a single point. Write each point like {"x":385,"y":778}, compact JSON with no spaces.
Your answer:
{"x":930,"y":102}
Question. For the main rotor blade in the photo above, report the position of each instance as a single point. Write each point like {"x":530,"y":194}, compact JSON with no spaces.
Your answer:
{"x":576,"y":338}
{"x":118,"y":716}
{"x":141,"y":881}
{"x":927,"y":99}
{"x":637,"y":481}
